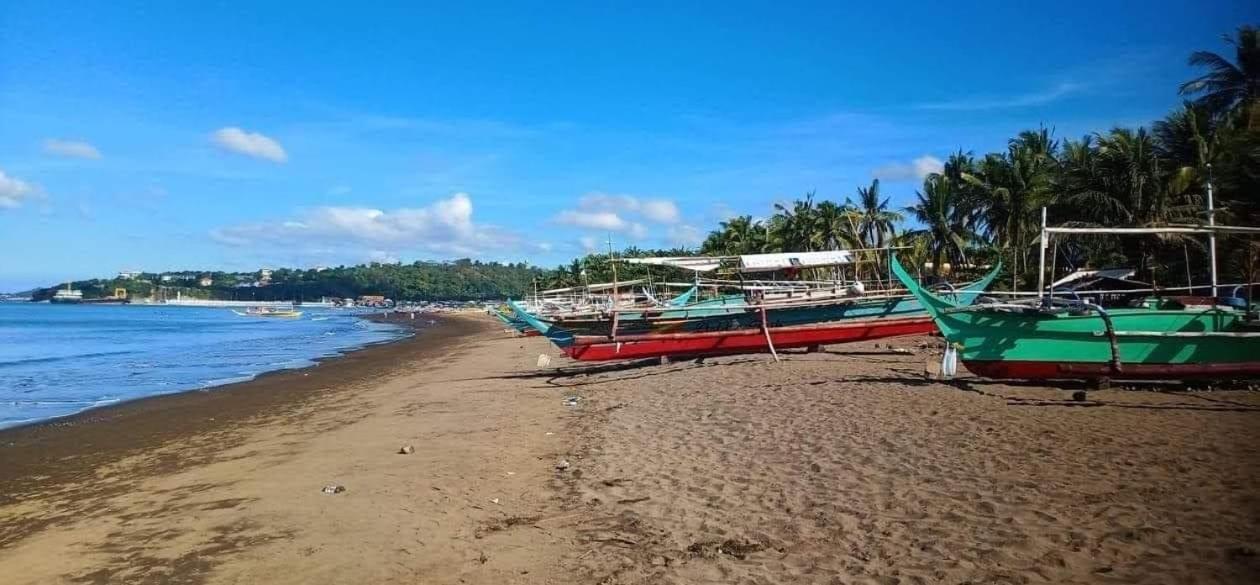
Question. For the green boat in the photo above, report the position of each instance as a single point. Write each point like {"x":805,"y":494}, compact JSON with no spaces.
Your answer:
{"x":1158,"y":339}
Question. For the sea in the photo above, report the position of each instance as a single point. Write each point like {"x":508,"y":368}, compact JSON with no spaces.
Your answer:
{"x":57,"y":360}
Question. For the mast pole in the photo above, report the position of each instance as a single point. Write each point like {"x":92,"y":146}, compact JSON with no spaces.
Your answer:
{"x":1211,"y":223}
{"x":613,"y":261}
{"x":1041,"y":272}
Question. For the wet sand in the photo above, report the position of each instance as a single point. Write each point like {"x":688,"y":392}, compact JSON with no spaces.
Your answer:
{"x":845,"y":466}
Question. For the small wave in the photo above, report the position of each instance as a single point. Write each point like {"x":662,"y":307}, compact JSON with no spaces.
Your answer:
{"x":225,"y":381}
{"x":51,"y":359}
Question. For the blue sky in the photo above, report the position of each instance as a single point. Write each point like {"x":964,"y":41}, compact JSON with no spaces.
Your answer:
{"x":160,"y":136}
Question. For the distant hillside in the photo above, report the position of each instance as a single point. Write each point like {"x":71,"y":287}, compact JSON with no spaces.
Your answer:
{"x":458,"y":280}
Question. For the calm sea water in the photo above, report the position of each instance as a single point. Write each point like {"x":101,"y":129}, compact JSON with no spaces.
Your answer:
{"x":57,"y":360}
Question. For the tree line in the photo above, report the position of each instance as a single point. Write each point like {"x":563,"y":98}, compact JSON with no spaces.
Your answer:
{"x":465,"y":279}
{"x":981,"y":208}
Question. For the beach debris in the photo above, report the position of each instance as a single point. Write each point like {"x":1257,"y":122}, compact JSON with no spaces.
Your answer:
{"x":482,"y":558}
{"x":902,"y":351}
{"x":814,"y":467}
{"x":1080,"y":396}
{"x":739,"y":549}
{"x":333,"y":488}
{"x":571,"y":400}
{"x":494,"y":500}
{"x":548,"y":433}
{"x":406,"y":450}
{"x":544,"y":360}
{"x":931,"y":369}
{"x":563,"y":464}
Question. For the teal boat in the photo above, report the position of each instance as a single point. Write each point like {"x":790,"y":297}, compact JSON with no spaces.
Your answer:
{"x":1058,"y":339}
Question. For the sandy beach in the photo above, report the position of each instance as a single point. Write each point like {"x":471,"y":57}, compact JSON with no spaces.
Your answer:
{"x":844,"y":466}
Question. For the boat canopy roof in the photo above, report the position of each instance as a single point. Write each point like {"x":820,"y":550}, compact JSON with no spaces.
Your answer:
{"x":696,"y":263}
{"x":772,"y":262}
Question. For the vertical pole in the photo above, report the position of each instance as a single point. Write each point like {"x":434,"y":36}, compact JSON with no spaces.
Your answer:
{"x":1212,"y":235}
{"x":1041,"y":272}
{"x":612,"y":261}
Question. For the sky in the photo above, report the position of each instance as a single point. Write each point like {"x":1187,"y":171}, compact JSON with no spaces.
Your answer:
{"x":237,"y":135}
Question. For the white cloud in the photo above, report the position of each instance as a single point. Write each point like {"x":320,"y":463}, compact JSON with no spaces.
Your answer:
{"x":623,"y":214}
{"x":914,"y":170}
{"x":249,"y":144}
{"x":71,"y":149}
{"x":596,"y":220}
{"x":653,"y":210}
{"x":1036,"y":98}
{"x":444,"y":227}
{"x":685,"y":236}
{"x":13,"y":191}
{"x":589,"y":243}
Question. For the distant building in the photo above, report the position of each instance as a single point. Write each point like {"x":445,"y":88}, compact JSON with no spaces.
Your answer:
{"x":372,"y":300}
{"x":166,"y":278}
{"x":205,"y":280}
{"x":264,"y":277}
{"x":129,"y":274}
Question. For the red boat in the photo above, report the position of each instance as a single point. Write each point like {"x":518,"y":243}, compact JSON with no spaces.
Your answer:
{"x":599,"y":347}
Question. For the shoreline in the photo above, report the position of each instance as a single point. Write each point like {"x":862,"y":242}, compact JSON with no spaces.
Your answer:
{"x":408,"y":329}
{"x":112,"y":430}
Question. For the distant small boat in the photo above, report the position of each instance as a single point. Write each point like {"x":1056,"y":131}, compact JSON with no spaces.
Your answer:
{"x":269,"y":312}
{"x":67,"y":295}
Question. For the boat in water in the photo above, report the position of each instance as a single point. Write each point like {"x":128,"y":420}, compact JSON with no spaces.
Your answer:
{"x":1050,"y":337}
{"x":274,"y":312}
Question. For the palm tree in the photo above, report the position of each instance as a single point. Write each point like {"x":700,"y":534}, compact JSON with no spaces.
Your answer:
{"x":947,"y":220}
{"x":738,"y":235}
{"x":1228,"y":87}
{"x":835,"y":226}
{"x":1118,"y":178}
{"x":793,"y":229}
{"x":876,"y":224}
{"x":1009,"y":189}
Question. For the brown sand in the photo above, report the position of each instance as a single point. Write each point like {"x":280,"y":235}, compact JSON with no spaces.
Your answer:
{"x":847,"y":467}
{"x":225,"y":486}
{"x":837,"y":467}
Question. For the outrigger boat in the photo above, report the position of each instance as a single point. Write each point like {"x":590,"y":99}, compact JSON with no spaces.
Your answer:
{"x":510,"y":319}
{"x":761,"y":320}
{"x":1060,"y":338}
{"x":269,"y":312}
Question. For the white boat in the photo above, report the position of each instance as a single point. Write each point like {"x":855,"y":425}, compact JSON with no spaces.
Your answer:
{"x":269,"y":312}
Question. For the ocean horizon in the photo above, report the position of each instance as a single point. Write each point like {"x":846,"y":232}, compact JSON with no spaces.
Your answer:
{"x":59,"y":360}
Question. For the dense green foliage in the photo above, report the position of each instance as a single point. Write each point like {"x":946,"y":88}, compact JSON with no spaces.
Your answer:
{"x":458,"y":280}
{"x":980,"y":208}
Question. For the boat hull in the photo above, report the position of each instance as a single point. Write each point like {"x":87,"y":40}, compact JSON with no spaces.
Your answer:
{"x":599,"y":348}
{"x":1038,"y":370}
{"x":1127,"y":343}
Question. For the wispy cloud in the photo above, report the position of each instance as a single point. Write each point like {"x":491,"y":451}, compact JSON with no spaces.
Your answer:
{"x":1023,"y":100}
{"x":251,"y":144}
{"x":913,"y":170}
{"x":71,"y":149}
